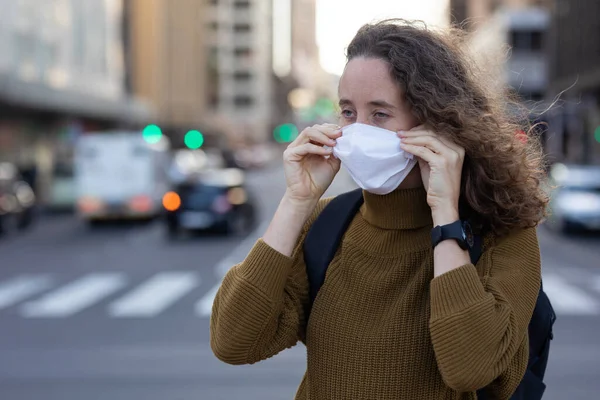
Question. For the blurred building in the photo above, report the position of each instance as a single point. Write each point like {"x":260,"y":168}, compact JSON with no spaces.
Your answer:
{"x":575,"y":74}
{"x":305,"y":85}
{"x":305,"y":63}
{"x":240,"y":65}
{"x":61,"y":74}
{"x":518,"y":25}
{"x":167,"y":62}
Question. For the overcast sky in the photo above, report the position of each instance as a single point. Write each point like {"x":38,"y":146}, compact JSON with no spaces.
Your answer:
{"x":338,"y":21}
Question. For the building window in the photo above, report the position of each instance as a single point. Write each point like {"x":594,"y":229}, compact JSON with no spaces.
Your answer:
{"x":214,"y":25}
{"x":213,"y":100}
{"x":213,"y":77}
{"x":79,"y":34}
{"x":241,"y":4}
{"x":243,"y":101}
{"x":213,"y":2}
{"x":242,"y":28}
{"x":242,"y":76}
{"x":242,"y":52}
{"x":50,"y":55}
{"x":25,"y":45}
{"x":536,"y":40}
{"x":526,"y":40}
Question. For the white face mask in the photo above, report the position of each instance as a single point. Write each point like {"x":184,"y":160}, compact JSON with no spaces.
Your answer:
{"x":373,"y":157}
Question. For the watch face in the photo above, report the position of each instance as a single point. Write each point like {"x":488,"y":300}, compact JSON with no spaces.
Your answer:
{"x":468,"y":234}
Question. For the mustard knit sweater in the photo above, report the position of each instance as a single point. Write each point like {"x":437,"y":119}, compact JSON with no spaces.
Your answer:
{"x":382,"y":327}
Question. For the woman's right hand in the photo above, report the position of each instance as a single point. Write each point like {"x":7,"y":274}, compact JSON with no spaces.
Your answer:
{"x":308,"y":173}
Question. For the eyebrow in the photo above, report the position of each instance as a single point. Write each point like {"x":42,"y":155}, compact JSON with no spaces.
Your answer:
{"x":375,"y":103}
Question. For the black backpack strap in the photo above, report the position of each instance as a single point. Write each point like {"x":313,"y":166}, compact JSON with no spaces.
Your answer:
{"x":325,"y":235}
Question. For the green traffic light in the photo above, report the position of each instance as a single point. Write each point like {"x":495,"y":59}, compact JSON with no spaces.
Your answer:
{"x":597,"y":134}
{"x":152,"y":134}
{"x":285,"y":133}
{"x":193,"y":139}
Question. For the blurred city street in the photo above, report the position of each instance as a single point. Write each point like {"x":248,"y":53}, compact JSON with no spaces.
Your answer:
{"x":120,"y":312}
{"x":129,"y":127}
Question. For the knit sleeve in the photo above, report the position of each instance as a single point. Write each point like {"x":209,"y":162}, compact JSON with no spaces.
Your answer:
{"x":479,"y":321}
{"x":259,"y":308}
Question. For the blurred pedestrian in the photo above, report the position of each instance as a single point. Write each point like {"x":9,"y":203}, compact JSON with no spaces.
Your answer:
{"x":403,"y":312}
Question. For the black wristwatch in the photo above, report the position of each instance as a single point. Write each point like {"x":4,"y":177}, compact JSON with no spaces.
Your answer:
{"x":458,"y":230}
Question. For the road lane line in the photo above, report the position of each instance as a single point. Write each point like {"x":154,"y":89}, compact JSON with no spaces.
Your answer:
{"x":568,"y":299}
{"x":204,"y":306}
{"x":155,"y":295}
{"x":22,"y":287}
{"x":238,"y":254}
{"x":75,"y":296}
{"x":596,"y":283}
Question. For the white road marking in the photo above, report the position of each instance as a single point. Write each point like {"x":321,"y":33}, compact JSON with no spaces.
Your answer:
{"x":204,"y":306}
{"x":74,"y":297}
{"x":238,"y":254}
{"x":596,"y":283}
{"x":155,"y":295}
{"x":568,"y":299}
{"x":22,"y":287}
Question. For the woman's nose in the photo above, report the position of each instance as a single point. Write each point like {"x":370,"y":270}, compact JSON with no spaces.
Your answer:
{"x":362,"y":119}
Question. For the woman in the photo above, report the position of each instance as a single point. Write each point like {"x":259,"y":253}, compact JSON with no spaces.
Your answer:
{"x":400,"y":317}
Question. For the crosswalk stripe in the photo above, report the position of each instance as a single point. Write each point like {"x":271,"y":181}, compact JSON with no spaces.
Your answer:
{"x":567,"y":299}
{"x":155,"y":295}
{"x":74,"y":297}
{"x":596,"y":283}
{"x":204,"y":305}
{"x":22,"y":287}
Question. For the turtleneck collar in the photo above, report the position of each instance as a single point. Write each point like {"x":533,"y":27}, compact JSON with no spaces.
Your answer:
{"x":400,"y":209}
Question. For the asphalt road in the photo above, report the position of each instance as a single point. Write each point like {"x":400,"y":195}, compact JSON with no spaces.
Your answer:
{"x":119,"y":312}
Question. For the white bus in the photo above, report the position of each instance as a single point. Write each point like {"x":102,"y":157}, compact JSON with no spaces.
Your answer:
{"x":118,"y":175}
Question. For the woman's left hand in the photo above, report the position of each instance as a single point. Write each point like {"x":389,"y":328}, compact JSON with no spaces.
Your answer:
{"x":441,"y":164}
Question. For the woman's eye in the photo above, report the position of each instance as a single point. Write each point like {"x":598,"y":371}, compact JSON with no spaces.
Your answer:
{"x":380,"y":115}
{"x":347,"y":113}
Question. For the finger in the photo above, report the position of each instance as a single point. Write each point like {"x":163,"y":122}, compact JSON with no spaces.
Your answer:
{"x":457,"y":148}
{"x":332,"y":126}
{"x":330,"y":130}
{"x":309,"y":148}
{"x":427,"y":132}
{"x":316,"y":135}
{"x":322,"y":136}
{"x":421,"y":152}
{"x":431,"y":142}
{"x":417,"y":130}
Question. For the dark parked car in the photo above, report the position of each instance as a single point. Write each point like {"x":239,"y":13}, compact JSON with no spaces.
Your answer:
{"x":17,"y":200}
{"x":575,"y":202}
{"x":215,"y":199}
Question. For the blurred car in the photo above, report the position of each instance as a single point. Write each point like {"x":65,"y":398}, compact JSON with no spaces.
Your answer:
{"x":214,"y":199}
{"x":254,"y":157}
{"x":17,"y":200}
{"x":575,"y":201}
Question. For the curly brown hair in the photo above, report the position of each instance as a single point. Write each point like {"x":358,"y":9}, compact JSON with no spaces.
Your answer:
{"x":502,"y":176}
